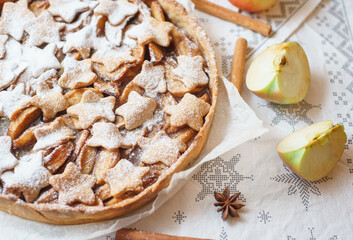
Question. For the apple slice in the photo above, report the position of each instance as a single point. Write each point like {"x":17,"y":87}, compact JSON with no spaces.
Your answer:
{"x":312,"y":152}
{"x":280,"y":74}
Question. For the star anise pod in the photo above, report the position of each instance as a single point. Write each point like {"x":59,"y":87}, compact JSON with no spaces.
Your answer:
{"x":227,"y":203}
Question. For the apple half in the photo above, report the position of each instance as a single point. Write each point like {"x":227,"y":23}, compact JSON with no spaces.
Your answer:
{"x":280,"y":74}
{"x":312,"y":152}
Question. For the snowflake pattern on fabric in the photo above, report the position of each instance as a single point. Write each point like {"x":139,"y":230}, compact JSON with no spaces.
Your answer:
{"x":350,"y":87}
{"x":179,"y":217}
{"x":299,"y":185}
{"x":330,"y":15}
{"x":223,"y":235}
{"x":264,"y":217}
{"x":217,"y":174}
{"x":291,"y":114}
{"x":312,"y":237}
{"x":342,"y":100}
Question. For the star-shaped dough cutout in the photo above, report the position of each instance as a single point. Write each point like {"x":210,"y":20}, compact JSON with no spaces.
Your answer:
{"x":112,"y":58}
{"x":52,"y":135}
{"x":190,"y":110}
{"x":12,"y":66}
{"x":8,"y":160}
{"x":50,"y":100}
{"x":161,"y":148}
{"x":29,"y":176}
{"x":67,"y":9}
{"x":114,"y":34}
{"x":77,"y":74}
{"x":41,"y":60}
{"x":92,"y":108}
{"x":82,"y":41}
{"x":137,"y":110}
{"x":77,"y":24}
{"x":49,"y":76}
{"x":3,"y":40}
{"x":116,"y":11}
{"x":13,"y":50}
{"x":151,"y":79}
{"x":9,"y":72}
{"x":107,"y":135}
{"x":152,"y":30}
{"x":15,"y":17}
{"x":124,"y":177}
{"x":14,"y":101}
{"x":43,"y":29}
{"x":190,"y":71}
{"x":73,"y":186}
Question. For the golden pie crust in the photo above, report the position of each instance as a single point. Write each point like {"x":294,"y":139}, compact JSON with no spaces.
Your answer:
{"x":65,"y":214}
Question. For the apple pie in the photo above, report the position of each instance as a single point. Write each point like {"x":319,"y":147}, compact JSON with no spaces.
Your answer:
{"x":101,"y":102}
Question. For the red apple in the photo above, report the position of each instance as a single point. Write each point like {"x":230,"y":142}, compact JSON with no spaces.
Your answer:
{"x":253,"y":5}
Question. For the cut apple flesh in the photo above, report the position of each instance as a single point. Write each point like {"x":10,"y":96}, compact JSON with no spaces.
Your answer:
{"x":303,"y":137}
{"x":312,"y":152}
{"x":280,"y":74}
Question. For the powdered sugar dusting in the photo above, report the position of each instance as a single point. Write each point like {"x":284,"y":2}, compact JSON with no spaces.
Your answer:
{"x":67,"y":9}
{"x":73,"y":186}
{"x":7,"y":161}
{"x":116,"y":11}
{"x":53,"y":135}
{"x":43,"y":29}
{"x":82,"y":40}
{"x":76,"y":73}
{"x":151,"y":30}
{"x":12,"y":65}
{"x":124,"y":177}
{"x":13,"y":100}
{"x":190,"y":111}
{"x":3,"y":40}
{"x":46,"y":77}
{"x":106,"y":135}
{"x":50,"y":100}
{"x":112,"y":57}
{"x":29,"y":176}
{"x":114,"y":33}
{"x":161,"y":148}
{"x":14,"y":18}
{"x":152,"y":79}
{"x":91,"y":108}
{"x":41,"y":60}
{"x":156,"y":120}
{"x":190,"y":71}
{"x":137,"y":110}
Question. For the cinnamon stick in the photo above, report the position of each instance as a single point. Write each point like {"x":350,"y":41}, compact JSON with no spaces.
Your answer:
{"x":231,"y":16}
{"x":238,"y":65}
{"x":128,"y":234}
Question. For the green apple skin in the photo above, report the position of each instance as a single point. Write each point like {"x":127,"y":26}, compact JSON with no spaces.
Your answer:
{"x":253,"y":5}
{"x":284,"y":69}
{"x":315,"y":160}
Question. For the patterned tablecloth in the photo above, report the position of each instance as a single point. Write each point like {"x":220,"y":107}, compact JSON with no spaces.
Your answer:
{"x":279,"y":204}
